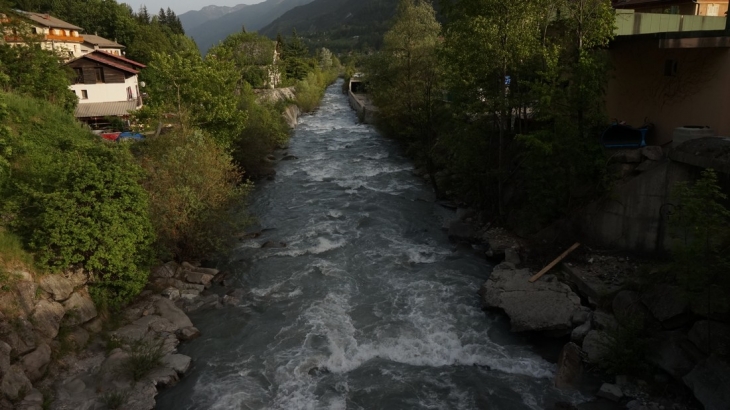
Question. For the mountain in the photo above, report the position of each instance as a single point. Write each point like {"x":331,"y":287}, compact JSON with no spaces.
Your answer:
{"x":194,"y":18}
{"x":251,"y":17}
{"x":337,"y":24}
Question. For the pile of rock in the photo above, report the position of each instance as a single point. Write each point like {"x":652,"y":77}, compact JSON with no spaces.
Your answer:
{"x":186,"y":285}
{"x":35,"y":311}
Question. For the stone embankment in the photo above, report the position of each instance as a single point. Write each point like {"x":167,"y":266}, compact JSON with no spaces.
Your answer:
{"x":291,"y":112}
{"x":55,"y":348}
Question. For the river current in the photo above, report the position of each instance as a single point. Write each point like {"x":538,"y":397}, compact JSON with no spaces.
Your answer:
{"x":368,"y":307}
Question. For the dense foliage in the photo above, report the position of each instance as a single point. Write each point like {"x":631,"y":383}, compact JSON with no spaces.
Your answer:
{"x":506,"y":98}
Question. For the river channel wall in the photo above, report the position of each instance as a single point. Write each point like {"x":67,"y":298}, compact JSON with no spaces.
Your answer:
{"x":362,"y":105}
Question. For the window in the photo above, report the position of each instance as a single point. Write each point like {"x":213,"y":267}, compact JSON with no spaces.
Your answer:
{"x":99,"y":74}
{"x":130,"y":97}
{"x":670,"y":68}
{"x":79,"y":75}
{"x":84,"y":95}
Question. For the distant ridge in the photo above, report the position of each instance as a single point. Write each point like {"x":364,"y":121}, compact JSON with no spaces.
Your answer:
{"x":333,"y":22}
{"x":252,"y":17}
{"x":195,"y":18}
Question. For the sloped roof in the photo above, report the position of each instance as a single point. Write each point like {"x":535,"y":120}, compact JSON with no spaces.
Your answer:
{"x":120,"y":58}
{"x":101,"y":41}
{"x":100,"y":57}
{"x":105,"y":109}
{"x":49,"y":21}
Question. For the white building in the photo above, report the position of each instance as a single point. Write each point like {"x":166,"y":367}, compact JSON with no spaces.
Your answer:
{"x":93,"y":43}
{"x":107,"y":86}
{"x":50,"y":32}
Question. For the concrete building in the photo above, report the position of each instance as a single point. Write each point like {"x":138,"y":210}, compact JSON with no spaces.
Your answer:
{"x":93,"y":43}
{"x":671,"y":71}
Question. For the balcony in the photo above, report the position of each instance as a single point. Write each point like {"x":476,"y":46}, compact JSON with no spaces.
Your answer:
{"x":630,"y":23}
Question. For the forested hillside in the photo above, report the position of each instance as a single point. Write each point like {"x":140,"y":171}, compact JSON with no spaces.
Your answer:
{"x":252,"y":17}
{"x":340,"y":25}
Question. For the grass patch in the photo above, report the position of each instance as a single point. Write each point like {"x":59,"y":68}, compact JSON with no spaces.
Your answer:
{"x":12,"y":253}
{"x":115,"y":400}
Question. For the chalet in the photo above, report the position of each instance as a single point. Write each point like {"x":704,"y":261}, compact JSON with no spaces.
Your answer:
{"x":107,"y":86}
{"x":93,"y":43}
{"x":52,"y":33}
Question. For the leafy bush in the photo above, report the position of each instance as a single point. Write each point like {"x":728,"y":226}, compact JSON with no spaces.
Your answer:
{"x":625,"y":350}
{"x":311,"y":89}
{"x":115,"y":400}
{"x":192,"y":184}
{"x":75,"y":200}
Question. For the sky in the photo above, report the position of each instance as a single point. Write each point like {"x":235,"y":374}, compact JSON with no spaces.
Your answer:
{"x":181,"y":6}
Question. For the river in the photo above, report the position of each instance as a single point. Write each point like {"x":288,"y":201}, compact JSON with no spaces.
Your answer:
{"x":368,"y":307}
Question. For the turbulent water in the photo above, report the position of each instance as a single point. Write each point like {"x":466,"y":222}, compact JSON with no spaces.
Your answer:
{"x":368,"y":307}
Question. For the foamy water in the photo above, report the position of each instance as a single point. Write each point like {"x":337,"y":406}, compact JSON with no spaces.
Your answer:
{"x":369,"y":306}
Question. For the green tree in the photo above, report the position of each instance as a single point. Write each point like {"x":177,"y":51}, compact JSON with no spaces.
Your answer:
{"x":405,"y":81}
{"x":252,"y":54}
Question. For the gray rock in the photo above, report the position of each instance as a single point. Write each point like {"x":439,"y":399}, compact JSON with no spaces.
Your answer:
{"x":231,"y":301}
{"x":462,"y":214}
{"x":671,"y":355}
{"x":604,"y":321}
{"x":94,"y":325}
{"x":633,"y":404}
{"x":167,"y":309}
{"x":665,"y":303}
{"x":35,"y":363}
{"x":198,"y":277}
{"x":130,"y":333}
{"x":26,"y":295}
{"x":610,"y":392}
{"x":177,"y":283}
{"x":581,"y":316}
{"x":170,"y":343}
{"x":166,"y":271}
{"x":289,"y":157}
{"x":77,"y":277}
{"x":79,"y":337}
{"x":47,"y":318}
{"x":58,"y":286}
{"x":570,"y":367}
{"x":19,"y":335}
{"x":5,"y":350}
{"x":178,"y":362}
{"x":163,"y":377}
{"x":171,"y":293}
{"x":539,"y":306}
{"x":595,"y":345}
{"x":31,"y":401}
{"x":462,"y":231}
{"x":580,"y":332}
{"x":273,"y":245}
{"x":653,"y":152}
{"x":79,"y":308}
{"x":188,"y":333}
{"x":156,"y":324}
{"x":710,"y":383}
{"x":15,"y":384}
{"x":711,"y":337}
{"x":512,"y":256}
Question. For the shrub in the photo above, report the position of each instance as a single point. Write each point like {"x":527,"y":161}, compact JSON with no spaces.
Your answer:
{"x":192,"y":184}
{"x":115,"y":400}
{"x":144,"y":356}
{"x":95,"y":217}
{"x":311,"y":89}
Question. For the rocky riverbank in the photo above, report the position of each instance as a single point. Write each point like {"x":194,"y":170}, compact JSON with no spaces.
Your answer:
{"x":611,"y":318}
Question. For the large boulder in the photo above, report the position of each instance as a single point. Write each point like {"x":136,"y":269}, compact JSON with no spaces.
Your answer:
{"x":178,"y":362}
{"x":711,"y":337}
{"x":595,"y":345}
{"x":15,"y":383}
{"x":463,"y":231}
{"x":546,"y":305}
{"x":570,"y":367}
{"x":653,"y":152}
{"x":667,"y":304}
{"x":79,"y":308}
{"x":166,"y":271}
{"x":710,"y":383}
{"x":19,"y":335}
{"x":672,"y":353}
{"x":47,"y":317}
{"x":167,"y":309}
{"x":5,"y":350}
{"x":35,"y":363}
{"x":58,"y":286}
{"x":26,"y":295}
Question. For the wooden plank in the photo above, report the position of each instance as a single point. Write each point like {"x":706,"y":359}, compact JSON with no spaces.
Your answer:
{"x":555,"y":262}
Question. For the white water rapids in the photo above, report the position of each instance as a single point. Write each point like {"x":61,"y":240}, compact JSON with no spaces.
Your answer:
{"x":368,"y":307}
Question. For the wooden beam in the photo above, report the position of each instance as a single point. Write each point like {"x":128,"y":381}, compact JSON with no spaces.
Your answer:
{"x":555,"y":262}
